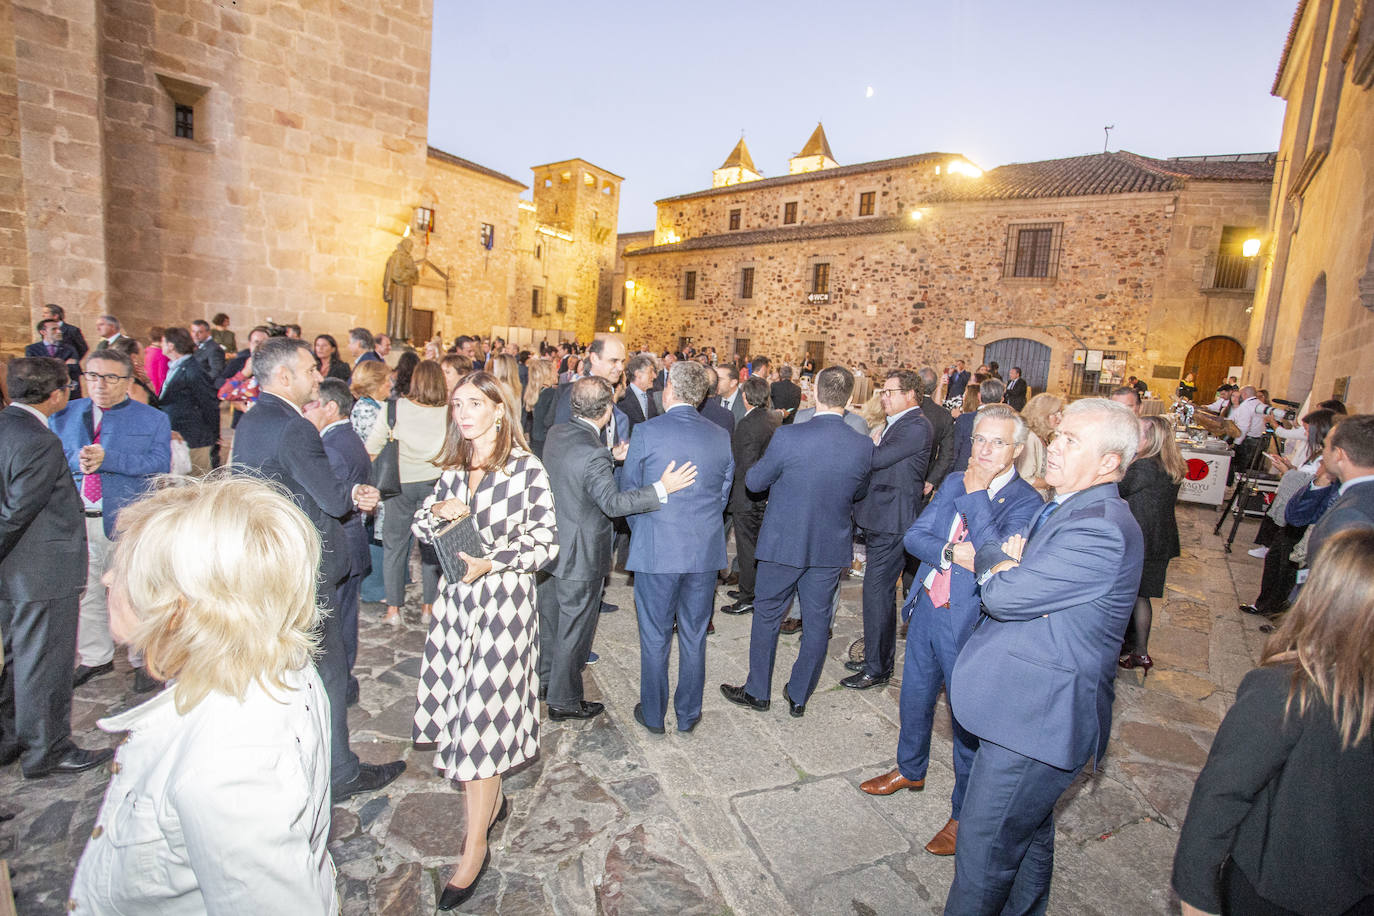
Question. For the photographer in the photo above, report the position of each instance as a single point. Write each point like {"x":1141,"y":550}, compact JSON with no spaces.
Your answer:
{"x":1248,"y":416}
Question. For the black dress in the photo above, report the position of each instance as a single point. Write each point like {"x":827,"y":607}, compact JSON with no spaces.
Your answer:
{"x":1151,"y":493}
{"x":338,"y":369}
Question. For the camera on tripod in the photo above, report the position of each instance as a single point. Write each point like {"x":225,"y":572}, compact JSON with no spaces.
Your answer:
{"x":1281,"y":410}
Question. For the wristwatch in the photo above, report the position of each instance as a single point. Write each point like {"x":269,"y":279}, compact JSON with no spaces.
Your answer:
{"x":948,"y":554}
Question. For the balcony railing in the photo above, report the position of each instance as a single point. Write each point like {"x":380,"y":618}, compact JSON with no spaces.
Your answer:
{"x":1232,"y":271}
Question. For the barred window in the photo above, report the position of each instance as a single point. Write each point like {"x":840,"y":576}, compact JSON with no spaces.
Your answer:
{"x":689,"y":284}
{"x":1033,"y":250}
{"x":820,"y":278}
{"x":186,"y":122}
{"x":746,"y":283}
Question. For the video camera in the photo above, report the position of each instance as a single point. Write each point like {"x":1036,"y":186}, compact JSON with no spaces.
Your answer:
{"x":1281,"y":410}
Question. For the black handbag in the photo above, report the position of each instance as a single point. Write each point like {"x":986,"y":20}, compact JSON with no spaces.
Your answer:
{"x":386,"y":467}
{"x":459,"y":535}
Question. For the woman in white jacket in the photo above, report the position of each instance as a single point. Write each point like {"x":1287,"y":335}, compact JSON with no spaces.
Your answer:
{"x":219,"y":798}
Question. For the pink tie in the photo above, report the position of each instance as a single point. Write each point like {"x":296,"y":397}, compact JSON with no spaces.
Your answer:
{"x":90,"y":484}
{"x":939,"y":588}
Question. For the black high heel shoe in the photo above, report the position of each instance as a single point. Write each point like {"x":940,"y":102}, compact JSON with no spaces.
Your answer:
{"x":500,"y":815}
{"x":456,"y":896}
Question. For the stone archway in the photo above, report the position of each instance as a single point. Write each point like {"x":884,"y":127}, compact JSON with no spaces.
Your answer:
{"x":1210,"y":360}
{"x":1058,"y":367}
{"x":1303,"y":369}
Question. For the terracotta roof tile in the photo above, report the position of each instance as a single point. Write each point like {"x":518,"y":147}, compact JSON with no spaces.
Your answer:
{"x":1288,"y":46}
{"x":471,"y":166}
{"x":840,"y":172}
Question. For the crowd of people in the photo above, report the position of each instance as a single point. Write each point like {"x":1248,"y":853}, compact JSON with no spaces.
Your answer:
{"x":1028,"y":535}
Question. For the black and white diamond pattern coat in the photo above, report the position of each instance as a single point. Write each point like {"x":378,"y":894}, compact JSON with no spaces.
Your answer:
{"x":478,"y":693}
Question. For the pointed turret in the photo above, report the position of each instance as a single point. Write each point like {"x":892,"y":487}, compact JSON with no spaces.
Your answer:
{"x":815,"y":155}
{"x":737,"y":168}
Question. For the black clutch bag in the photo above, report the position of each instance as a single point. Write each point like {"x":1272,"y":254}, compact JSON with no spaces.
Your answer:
{"x":459,"y":535}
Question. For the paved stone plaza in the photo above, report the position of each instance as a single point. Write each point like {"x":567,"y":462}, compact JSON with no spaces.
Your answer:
{"x":753,"y":813}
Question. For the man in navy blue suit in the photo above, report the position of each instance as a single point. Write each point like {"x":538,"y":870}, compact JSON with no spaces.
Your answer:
{"x":676,"y":551}
{"x":51,"y":345}
{"x":605,"y":359}
{"x":814,"y":474}
{"x":984,"y":505}
{"x":1035,"y":681}
{"x":892,"y":504}
{"x":958,"y":381}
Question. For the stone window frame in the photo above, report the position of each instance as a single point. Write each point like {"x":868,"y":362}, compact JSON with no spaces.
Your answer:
{"x":735,"y":219}
{"x":1013,"y":244}
{"x":812,"y":274}
{"x":789,"y":208}
{"x":867,"y":198}
{"x":178,"y":92}
{"x":561,"y":304}
{"x":740,"y":268}
{"x":537,"y":301}
{"x":687,"y":284}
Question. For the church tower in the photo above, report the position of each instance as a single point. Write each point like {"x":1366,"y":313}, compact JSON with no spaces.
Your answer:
{"x":737,"y":168}
{"x":815,"y":155}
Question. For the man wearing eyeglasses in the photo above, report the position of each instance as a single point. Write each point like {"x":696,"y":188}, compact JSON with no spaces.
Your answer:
{"x":114,"y":447}
{"x":900,"y":458}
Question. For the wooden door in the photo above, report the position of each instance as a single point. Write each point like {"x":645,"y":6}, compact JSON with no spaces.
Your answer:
{"x":1210,"y":360}
{"x":1031,"y":356}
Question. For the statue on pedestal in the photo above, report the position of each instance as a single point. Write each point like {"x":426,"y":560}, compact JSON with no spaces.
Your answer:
{"x":397,"y":285}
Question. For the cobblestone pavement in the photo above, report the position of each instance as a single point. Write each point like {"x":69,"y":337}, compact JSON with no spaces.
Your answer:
{"x":753,"y":813}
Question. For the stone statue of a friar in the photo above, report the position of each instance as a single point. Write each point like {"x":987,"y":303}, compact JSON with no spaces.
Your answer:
{"x":397,"y":285}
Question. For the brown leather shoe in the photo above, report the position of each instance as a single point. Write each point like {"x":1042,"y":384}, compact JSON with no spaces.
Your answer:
{"x":942,"y":844}
{"x":889,"y":783}
{"x":791,"y":625}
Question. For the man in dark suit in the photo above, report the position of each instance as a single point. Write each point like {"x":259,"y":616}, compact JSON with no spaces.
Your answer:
{"x":362,"y":346}
{"x":42,"y":571}
{"x":605,"y":359}
{"x":958,"y":381}
{"x":1348,"y":458}
{"x":189,"y":399}
{"x":638,"y":403}
{"x":814,"y":474}
{"x":676,"y":551}
{"x":984,"y":505}
{"x":51,"y":346}
{"x":1035,"y":681}
{"x":1017,"y":389}
{"x":713,"y":410}
{"x":661,"y":379}
{"x":276,"y":441}
{"x":71,"y":334}
{"x":786,"y":394}
{"x":942,"y":446}
{"x":109,"y":329}
{"x":349,"y":460}
{"x":585,"y":500}
{"x":892,"y":504}
{"x":208,"y":352}
{"x":746,"y":509}
{"x":729,"y":391}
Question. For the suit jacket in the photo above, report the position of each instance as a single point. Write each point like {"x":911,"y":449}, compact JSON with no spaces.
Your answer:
{"x":629,"y":406}
{"x":962,"y":435}
{"x":349,"y":460}
{"x":138,"y":446}
{"x":746,"y":447}
{"x":210,"y":355}
{"x":190,"y":401}
{"x":1038,"y":674}
{"x":785,"y":395}
{"x":371,"y":356}
{"x":42,"y":528}
{"x":711,"y":410}
{"x":738,"y":408}
{"x":585,"y":499}
{"x":562,"y":413}
{"x":1017,"y":392}
{"x":942,"y":447}
{"x":851,"y":419}
{"x":688,"y":534}
{"x":899,"y":475}
{"x":72,"y":337}
{"x":1151,"y":493}
{"x":1352,"y":509}
{"x":990,"y":520}
{"x":957,"y":383}
{"x":64,"y":352}
{"x":814,"y":473}
{"x":274,"y":441}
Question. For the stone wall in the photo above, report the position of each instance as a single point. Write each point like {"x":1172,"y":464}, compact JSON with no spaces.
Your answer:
{"x":14,"y":250}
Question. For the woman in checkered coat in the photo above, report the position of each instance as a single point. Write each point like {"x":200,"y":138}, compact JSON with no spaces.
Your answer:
{"x":477,"y":695}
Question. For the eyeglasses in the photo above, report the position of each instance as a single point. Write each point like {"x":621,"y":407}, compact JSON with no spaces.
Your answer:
{"x":980,"y":441}
{"x":107,"y":379}
{"x":884,"y":392}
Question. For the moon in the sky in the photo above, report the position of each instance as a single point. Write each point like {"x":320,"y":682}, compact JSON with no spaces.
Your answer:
{"x":868,"y":94}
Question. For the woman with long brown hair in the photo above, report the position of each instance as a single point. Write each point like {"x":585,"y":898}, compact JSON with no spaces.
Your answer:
{"x":481,"y":650}
{"x":1279,"y":820}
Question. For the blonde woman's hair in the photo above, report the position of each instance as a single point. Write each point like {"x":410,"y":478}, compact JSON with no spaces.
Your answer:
{"x":1330,"y":630}
{"x":541,"y":375}
{"x":367,"y":378}
{"x":1030,"y":464}
{"x":1158,"y":438}
{"x":220,"y":574}
{"x":506,"y":370}
{"x":1037,"y":414}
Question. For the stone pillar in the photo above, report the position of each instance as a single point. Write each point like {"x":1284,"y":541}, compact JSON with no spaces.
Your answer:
{"x":14,"y":249}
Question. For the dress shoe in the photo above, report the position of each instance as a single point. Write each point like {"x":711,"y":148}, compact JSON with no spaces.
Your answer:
{"x":862,"y":681}
{"x":146,"y":683}
{"x":592,"y":659}
{"x":370,"y":778}
{"x":732,"y":579}
{"x":732,"y":593}
{"x":455,"y":896}
{"x":891,"y":782}
{"x":583,"y":710}
{"x":740,"y":697}
{"x":796,"y":710}
{"x":84,"y":673}
{"x":608,"y":608}
{"x":689,"y":728}
{"x":791,"y":625}
{"x":639,"y":717}
{"x":76,"y":760}
{"x":500,"y":815}
{"x":942,"y":844}
{"x":739,"y":607}
{"x":854,"y":666}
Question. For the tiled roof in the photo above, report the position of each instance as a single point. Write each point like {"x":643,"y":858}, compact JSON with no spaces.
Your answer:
{"x":1288,"y":46}
{"x":471,"y":166}
{"x":739,"y":158}
{"x":847,"y":228}
{"x":840,"y":172}
{"x":817,"y":145}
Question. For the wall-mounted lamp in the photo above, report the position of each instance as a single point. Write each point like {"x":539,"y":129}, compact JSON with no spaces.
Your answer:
{"x":1250,"y":247}
{"x":630,"y":285}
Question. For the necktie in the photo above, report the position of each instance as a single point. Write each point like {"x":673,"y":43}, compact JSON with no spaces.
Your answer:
{"x":1043,"y":517}
{"x":90,"y":484}
{"x":939,"y":586}
{"x":52,"y":350}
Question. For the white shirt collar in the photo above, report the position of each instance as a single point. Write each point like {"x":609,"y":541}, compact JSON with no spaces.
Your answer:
{"x":1001,"y":480}
{"x":33,"y":410}
{"x":1345,"y":485}
{"x":897,"y":416}
{"x":268,"y":394}
{"x":344,"y":422}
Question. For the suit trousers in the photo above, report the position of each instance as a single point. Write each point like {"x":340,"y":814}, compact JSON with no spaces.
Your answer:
{"x":1004,"y":857}
{"x":883,"y":567}
{"x":662,"y":599}
{"x":748,"y":523}
{"x":36,"y":684}
{"x":568,"y":612}
{"x":332,"y":665}
{"x":931,"y":648}
{"x":346,"y":595}
{"x":396,"y":543}
{"x":815,"y":586}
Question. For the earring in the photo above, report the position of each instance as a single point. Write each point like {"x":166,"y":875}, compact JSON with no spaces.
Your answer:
{"x":498,"y":423}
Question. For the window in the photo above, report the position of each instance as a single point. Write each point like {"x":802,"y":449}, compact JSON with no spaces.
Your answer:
{"x":1032,"y":250}
{"x":423,"y":221}
{"x":186,"y":122}
{"x":689,"y":284}
{"x":561,"y":304}
{"x":538,"y":251}
{"x":746,"y":283}
{"x":789,"y":213}
{"x":820,"y":278}
{"x":1098,"y":382}
{"x":488,"y":236}
{"x":536,"y":303}
{"x":866,"y":203}
{"x":1231,"y":268}
{"x":734,"y":219}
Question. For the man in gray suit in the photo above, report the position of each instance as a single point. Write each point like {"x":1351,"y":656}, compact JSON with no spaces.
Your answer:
{"x":585,"y":498}
{"x":731,"y":398}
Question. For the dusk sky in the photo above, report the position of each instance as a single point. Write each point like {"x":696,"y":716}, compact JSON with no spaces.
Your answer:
{"x":659,"y":93}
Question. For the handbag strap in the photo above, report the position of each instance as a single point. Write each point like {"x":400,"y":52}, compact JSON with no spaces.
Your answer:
{"x":390,"y":419}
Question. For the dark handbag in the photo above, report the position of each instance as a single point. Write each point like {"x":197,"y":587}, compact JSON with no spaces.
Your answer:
{"x":386,"y":467}
{"x":459,"y":535}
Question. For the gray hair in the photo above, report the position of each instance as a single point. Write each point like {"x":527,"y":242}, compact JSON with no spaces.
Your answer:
{"x":929,"y":378}
{"x":590,"y":397}
{"x":1117,"y":431}
{"x":991,"y":391}
{"x":362,"y":337}
{"x":1003,"y":412}
{"x":638,"y":363}
{"x":110,"y":319}
{"x":691,"y":381}
{"x":834,"y":385}
{"x":335,"y":391}
{"x":276,"y":352}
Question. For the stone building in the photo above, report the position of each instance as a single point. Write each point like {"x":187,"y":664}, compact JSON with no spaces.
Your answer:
{"x":925,"y":259}
{"x":1313,"y":328}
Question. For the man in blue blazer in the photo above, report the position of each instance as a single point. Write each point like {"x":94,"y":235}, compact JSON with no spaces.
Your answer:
{"x":814,"y":474}
{"x":1035,"y":681}
{"x":1349,"y":458}
{"x":676,"y":551}
{"x":984,"y":505}
{"x":892,"y":504}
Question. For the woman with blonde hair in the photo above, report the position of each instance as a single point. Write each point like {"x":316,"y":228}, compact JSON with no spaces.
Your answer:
{"x":481,"y":651}
{"x":505,"y":368}
{"x":219,"y":800}
{"x":541,"y":397}
{"x":1279,"y":820}
{"x":1150,"y":488}
{"x":370,"y":387}
{"x":1042,"y":414}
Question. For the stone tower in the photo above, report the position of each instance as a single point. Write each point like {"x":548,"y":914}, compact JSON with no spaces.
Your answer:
{"x":738,"y":167}
{"x":815,"y":155}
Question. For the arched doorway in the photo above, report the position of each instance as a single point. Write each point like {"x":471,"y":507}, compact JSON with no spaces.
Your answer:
{"x":1210,"y":361}
{"x":1032,"y":356}
{"x":1304,"y":366}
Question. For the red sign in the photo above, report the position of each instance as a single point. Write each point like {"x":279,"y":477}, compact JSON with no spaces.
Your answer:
{"x":1197,"y":469}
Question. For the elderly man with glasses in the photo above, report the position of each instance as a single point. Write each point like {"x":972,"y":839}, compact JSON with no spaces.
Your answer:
{"x":114,"y":447}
